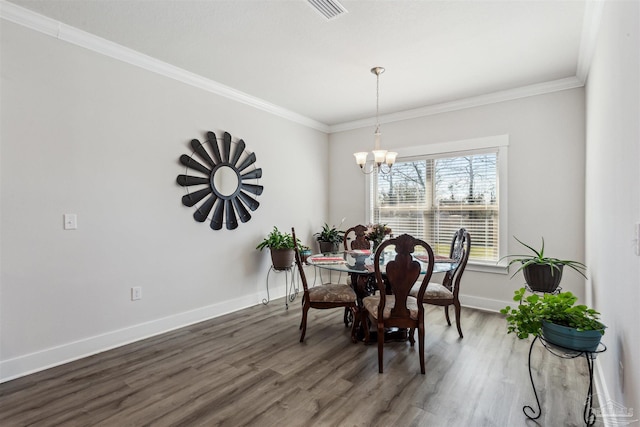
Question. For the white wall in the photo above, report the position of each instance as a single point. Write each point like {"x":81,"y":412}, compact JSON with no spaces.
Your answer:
{"x":613,"y":196}
{"x":545,"y":177}
{"x":83,"y":133}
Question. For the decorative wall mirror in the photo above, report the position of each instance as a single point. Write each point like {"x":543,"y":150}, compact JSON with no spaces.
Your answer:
{"x":229,"y":175}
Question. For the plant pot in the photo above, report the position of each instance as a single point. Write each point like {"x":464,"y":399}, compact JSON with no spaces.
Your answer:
{"x":328,"y":247}
{"x":304,"y":255}
{"x":570,"y":338}
{"x":282,"y":259}
{"x":540,"y":279}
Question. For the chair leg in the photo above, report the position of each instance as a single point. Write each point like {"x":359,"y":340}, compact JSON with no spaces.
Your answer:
{"x":303,"y":313}
{"x":456,"y":305}
{"x":412,"y":340}
{"x":446,"y":314}
{"x":346,"y":316}
{"x":364,"y":320}
{"x":380,"y":346}
{"x":421,"y":347}
{"x":303,"y":323}
{"x":354,"y":325}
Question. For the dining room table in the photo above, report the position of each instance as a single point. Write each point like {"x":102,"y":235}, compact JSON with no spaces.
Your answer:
{"x":359,"y":265}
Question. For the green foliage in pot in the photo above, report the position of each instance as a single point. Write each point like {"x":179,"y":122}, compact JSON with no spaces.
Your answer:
{"x":329,"y":235}
{"x":303,"y":248}
{"x":526,"y":319}
{"x":277,"y":240}
{"x":538,"y":258}
{"x":304,"y":251}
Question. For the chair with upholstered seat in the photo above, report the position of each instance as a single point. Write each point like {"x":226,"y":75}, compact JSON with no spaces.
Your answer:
{"x":446,"y":293}
{"x":398,"y":309}
{"x":323,"y":296}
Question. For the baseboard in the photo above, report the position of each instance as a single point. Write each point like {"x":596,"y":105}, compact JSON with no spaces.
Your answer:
{"x":59,"y":355}
{"x":484,"y":304}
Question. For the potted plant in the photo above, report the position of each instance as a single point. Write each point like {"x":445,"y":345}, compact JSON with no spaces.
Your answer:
{"x":542,"y":274}
{"x":557,"y":318}
{"x":281,"y":246}
{"x":305,"y":252}
{"x":329,"y":239}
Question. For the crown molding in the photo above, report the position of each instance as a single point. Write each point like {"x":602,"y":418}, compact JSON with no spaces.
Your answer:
{"x":56,"y":29}
{"x":476,"y":101}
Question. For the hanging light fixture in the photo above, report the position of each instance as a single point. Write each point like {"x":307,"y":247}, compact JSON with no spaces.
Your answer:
{"x":380,"y":157}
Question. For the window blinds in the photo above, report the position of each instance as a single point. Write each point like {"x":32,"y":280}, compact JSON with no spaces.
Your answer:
{"x":432,"y":197}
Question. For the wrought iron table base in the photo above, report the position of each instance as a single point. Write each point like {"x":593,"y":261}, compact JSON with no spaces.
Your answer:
{"x":587,"y":415}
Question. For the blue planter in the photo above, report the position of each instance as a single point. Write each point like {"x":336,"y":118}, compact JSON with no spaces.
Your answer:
{"x":571,"y":338}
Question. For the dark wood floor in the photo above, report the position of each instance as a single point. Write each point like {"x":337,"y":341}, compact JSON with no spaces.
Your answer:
{"x":248,"y":368}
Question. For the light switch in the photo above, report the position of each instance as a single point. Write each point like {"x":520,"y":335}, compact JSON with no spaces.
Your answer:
{"x":70,"y":221}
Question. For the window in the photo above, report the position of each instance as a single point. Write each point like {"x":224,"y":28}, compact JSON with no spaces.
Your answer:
{"x":432,"y":195}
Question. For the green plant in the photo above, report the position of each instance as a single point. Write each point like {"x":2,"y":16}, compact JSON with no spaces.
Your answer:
{"x":303,"y":248}
{"x":526,"y":319}
{"x":329,"y":234}
{"x":277,"y":240}
{"x":539,"y":259}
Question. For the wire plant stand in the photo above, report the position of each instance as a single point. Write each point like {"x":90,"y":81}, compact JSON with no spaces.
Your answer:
{"x":292,"y":286}
{"x":565,"y":353}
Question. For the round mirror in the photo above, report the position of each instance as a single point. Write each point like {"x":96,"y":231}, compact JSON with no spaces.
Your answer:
{"x":225,"y":180}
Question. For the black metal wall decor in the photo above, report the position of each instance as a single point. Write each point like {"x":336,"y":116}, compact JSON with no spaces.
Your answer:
{"x":228,"y":178}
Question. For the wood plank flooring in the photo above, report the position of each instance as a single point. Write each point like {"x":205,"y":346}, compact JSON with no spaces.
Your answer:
{"x":248,"y":368}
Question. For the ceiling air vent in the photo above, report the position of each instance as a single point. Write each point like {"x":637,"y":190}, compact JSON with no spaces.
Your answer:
{"x":330,"y":9}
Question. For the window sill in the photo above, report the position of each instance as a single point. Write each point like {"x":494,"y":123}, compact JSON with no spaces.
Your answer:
{"x":500,"y":268}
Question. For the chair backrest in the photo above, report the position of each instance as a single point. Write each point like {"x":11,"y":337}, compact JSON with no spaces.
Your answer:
{"x":460,"y":248}
{"x":360,"y":240}
{"x":299,"y":264}
{"x":402,"y":272}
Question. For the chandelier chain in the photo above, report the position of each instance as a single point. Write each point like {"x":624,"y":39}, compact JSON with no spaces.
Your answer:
{"x":377,"y":102}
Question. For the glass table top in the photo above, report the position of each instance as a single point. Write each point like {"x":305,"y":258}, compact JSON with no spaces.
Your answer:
{"x":361,"y":261}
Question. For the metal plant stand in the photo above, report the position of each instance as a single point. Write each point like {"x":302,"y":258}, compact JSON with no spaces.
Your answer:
{"x":292,"y":287}
{"x":555,"y":292}
{"x":566,"y":353}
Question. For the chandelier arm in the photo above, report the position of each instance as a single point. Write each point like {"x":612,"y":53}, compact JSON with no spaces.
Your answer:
{"x":383,"y":168}
{"x":363,"y":169}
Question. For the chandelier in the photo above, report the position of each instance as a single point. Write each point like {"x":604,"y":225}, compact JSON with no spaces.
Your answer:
{"x":383,"y":160}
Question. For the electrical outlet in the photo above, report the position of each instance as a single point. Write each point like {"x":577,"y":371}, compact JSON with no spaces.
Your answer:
{"x":136,"y":293}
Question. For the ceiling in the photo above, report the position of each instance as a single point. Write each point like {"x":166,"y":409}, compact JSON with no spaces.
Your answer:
{"x":285,"y":53}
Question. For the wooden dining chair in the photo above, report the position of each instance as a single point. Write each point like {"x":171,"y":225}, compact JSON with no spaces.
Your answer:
{"x":323,"y":296}
{"x":398,"y":309}
{"x":355,"y":238}
{"x":359,"y":239}
{"x":446,"y":293}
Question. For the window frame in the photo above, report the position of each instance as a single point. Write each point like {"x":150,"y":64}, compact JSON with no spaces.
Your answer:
{"x":500,"y":143}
